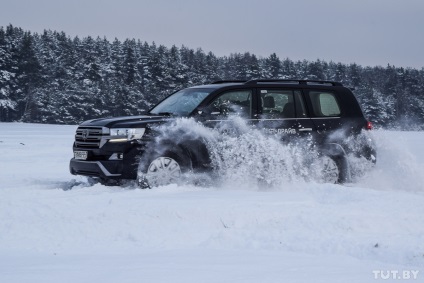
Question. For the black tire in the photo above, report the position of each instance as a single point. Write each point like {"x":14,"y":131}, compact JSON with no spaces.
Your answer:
{"x":344,"y":169}
{"x":330,"y":169}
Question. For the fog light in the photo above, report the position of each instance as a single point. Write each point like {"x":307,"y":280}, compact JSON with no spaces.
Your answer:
{"x":116,"y":156}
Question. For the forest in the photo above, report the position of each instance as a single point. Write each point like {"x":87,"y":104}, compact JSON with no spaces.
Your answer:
{"x":53,"y":78}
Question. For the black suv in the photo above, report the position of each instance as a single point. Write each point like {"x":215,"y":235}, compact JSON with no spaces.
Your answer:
{"x":115,"y":149}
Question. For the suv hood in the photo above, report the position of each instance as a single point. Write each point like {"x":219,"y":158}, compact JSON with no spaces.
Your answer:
{"x":126,"y":121}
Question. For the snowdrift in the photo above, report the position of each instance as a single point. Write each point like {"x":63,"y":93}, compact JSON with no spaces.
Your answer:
{"x":56,"y":227}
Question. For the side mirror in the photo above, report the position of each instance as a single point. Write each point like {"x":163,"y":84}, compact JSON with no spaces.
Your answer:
{"x":208,"y":111}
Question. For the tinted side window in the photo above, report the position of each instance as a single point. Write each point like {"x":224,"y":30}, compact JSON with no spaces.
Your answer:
{"x":324,"y":104}
{"x":281,"y":104}
{"x":234,"y":102}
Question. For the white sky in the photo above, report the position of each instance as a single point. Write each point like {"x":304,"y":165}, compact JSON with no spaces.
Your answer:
{"x":367,"y":32}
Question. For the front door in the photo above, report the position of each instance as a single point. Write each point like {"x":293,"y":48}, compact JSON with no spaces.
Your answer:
{"x":227,"y":105}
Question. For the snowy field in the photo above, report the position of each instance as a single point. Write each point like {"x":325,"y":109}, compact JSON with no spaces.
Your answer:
{"x":55,"y":227}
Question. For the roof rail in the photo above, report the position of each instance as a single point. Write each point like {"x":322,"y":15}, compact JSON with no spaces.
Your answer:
{"x":302,"y":82}
{"x":228,"y":81}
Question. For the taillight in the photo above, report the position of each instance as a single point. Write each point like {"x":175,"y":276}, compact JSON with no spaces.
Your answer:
{"x":368,"y":125}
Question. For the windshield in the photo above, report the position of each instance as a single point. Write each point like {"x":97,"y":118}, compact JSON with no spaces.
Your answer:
{"x":181,"y":103}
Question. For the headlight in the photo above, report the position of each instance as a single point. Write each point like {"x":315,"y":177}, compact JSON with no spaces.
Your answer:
{"x":126,"y":134}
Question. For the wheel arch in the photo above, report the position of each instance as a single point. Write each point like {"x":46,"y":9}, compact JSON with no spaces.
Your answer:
{"x":338,"y":154}
{"x":181,"y":151}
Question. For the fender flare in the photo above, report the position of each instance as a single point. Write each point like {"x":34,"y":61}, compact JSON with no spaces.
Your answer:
{"x":198,"y":153}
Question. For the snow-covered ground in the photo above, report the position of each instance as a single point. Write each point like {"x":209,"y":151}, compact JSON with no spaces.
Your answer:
{"x":55,"y":227}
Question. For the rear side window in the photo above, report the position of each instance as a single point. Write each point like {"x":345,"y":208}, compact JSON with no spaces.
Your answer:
{"x":324,"y":104}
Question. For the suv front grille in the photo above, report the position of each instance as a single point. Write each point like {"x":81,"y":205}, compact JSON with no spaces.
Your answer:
{"x":89,"y":137}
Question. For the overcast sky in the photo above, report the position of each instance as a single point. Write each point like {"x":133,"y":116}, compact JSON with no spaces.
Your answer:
{"x":367,"y":32}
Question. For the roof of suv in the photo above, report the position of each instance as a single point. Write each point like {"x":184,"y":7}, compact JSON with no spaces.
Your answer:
{"x":276,"y":82}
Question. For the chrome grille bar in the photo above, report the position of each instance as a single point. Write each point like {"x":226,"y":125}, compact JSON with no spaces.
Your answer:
{"x":90,"y":137}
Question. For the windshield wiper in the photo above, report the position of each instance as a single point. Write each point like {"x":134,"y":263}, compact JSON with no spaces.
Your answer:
{"x":165,"y":113}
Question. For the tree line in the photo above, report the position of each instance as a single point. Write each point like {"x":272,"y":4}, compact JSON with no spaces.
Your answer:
{"x":53,"y":78}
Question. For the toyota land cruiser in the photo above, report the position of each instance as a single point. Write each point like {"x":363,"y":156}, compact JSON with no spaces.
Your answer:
{"x":115,"y":149}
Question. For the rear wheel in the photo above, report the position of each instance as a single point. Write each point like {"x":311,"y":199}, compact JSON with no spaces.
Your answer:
{"x":326,"y":170}
{"x":330,"y":170}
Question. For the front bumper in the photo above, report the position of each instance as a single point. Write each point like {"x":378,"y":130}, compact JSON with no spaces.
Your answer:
{"x":101,"y":169}
{"x":100,"y":164}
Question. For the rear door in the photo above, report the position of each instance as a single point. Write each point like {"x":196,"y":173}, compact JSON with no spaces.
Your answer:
{"x":282,"y":112}
{"x":326,"y":113}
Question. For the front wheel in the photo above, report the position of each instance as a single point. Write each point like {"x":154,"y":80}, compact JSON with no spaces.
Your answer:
{"x":162,"y":170}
